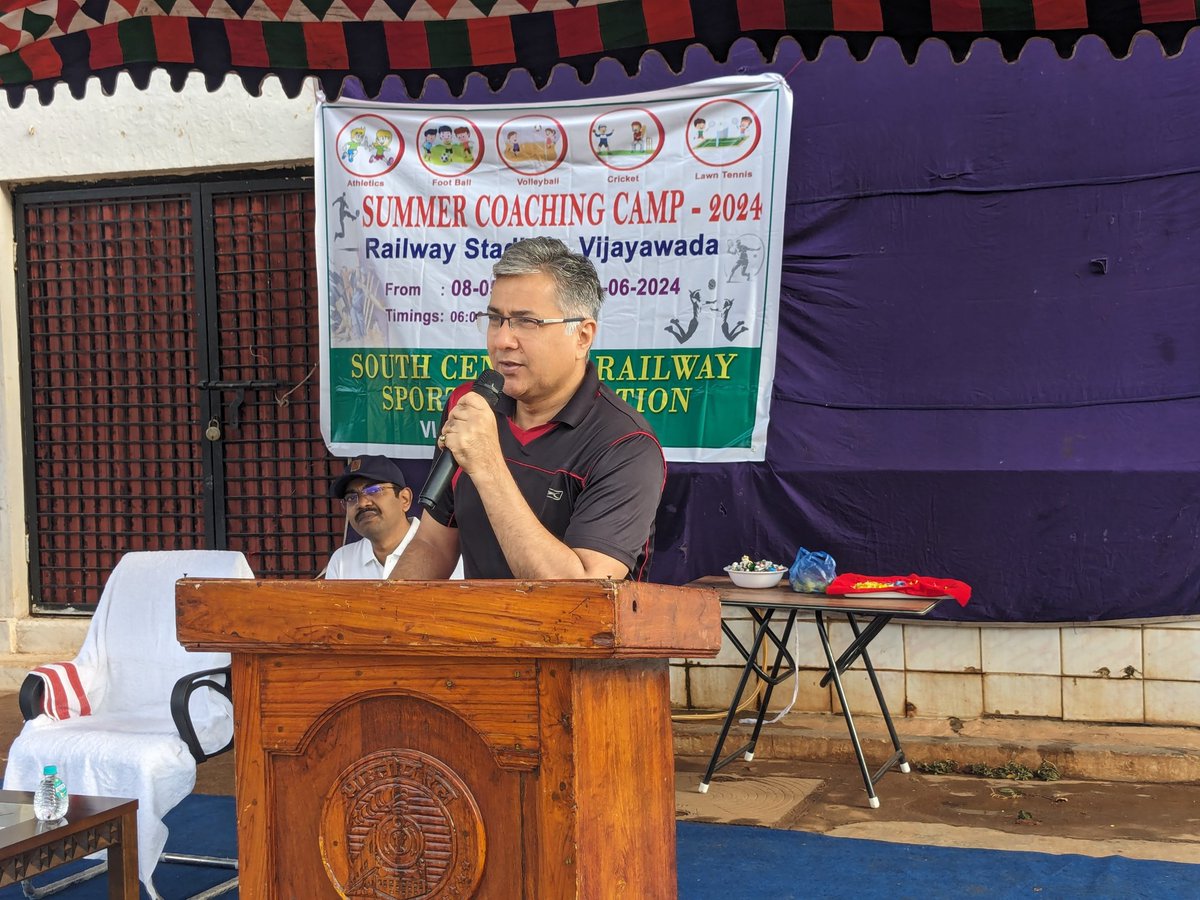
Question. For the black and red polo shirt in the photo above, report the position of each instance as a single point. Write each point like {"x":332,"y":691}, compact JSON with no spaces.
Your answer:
{"x":593,"y":477}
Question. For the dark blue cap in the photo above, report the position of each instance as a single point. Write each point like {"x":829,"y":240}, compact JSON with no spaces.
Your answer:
{"x":375,"y":469}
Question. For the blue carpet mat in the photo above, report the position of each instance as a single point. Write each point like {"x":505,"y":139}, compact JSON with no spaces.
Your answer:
{"x":730,"y":862}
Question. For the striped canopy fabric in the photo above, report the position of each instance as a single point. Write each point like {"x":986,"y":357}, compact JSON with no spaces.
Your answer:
{"x":45,"y":42}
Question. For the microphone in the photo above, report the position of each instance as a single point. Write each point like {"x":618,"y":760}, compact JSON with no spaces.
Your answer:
{"x":488,"y":386}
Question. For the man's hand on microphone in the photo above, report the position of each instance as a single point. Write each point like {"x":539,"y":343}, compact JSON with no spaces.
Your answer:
{"x":470,"y":434}
{"x":531,"y":551}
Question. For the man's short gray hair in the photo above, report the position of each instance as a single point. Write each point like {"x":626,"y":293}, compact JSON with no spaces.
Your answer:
{"x":579,"y":290}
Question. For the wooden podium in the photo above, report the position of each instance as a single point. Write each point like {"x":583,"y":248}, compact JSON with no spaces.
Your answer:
{"x":446,"y":739}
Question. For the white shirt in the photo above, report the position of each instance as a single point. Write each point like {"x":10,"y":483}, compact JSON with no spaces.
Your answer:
{"x":358,"y":560}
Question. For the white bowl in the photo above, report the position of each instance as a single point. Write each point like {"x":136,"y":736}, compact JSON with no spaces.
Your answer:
{"x":756,"y":579}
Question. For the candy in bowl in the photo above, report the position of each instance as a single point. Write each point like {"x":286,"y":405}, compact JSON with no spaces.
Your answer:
{"x":750,"y":573}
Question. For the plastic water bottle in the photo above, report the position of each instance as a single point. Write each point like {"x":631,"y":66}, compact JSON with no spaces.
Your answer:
{"x":50,"y":798}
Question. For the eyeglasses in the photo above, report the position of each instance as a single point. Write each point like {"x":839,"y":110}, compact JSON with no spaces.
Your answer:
{"x":519,"y":324}
{"x":371,"y":492}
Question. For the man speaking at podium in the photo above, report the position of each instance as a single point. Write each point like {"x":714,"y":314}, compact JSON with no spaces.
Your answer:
{"x":562,"y":478}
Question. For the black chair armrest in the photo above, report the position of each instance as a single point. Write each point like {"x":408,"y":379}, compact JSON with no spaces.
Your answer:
{"x":181,"y":695}
{"x":31,"y":696}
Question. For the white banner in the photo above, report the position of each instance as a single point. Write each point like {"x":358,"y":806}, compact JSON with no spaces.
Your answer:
{"x":677,"y":196}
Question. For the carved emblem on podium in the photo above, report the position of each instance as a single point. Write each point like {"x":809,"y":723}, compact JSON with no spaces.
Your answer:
{"x":401,"y":825}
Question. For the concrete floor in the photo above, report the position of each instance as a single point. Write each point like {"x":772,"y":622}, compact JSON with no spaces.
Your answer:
{"x":1127,"y":791}
{"x":811,"y":784}
{"x":1092,"y":818}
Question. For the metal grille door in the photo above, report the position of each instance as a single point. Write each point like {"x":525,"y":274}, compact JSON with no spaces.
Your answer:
{"x":110,"y":395}
{"x":275,"y":465}
{"x":169,"y":345}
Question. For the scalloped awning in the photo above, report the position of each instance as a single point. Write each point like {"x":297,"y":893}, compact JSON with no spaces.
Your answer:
{"x":47,"y":42}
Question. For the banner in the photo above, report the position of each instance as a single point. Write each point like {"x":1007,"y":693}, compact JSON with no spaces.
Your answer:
{"x":677,"y":196}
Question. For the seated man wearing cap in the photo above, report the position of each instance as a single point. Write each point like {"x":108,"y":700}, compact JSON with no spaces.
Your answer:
{"x":377,"y":501}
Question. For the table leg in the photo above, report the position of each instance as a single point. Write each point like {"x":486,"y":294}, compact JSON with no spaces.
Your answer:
{"x":716,"y":762}
{"x":780,"y":655}
{"x":898,"y":754}
{"x":123,"y":861}
{"x":823,"y":633}
{"x":859,"y":644}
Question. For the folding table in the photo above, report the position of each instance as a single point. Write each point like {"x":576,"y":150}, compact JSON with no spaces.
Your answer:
{"x":774,"y":612}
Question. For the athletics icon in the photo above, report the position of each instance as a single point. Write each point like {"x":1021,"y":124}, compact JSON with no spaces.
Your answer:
{"x":369,"y":146}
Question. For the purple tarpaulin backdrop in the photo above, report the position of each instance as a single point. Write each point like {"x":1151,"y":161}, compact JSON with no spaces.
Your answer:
{"x":989,"y":363}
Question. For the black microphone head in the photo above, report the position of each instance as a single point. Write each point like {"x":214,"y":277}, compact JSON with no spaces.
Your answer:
{"x":489,"y":385}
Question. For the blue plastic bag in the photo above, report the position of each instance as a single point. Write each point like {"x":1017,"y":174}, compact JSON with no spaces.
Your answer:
{"x":812,"y":571}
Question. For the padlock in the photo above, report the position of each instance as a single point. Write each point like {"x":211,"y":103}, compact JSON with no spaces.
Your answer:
{"x":213,"y":431}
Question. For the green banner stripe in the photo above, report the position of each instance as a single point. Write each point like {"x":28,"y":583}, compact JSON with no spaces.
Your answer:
{"x":449,"y":43}
{"x":808,"y":15}
{"x":35,"y":23}
{"x":136,"y":37}
{"x":1007,"y":15}
{"x":696,"y":398}
{"x":622,"y":25}
{"x":286,"y":44}
{"x":13,"y":69}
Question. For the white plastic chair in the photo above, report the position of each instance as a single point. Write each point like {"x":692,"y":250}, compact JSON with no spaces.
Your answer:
{"x":130,"y":667}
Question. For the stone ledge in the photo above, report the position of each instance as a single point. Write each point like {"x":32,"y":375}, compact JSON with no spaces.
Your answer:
{"x":53,"y":638}
{"x":15,"y":666}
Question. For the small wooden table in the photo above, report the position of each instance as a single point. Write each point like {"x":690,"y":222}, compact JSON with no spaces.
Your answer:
{"x":769,"y":605}
{"x":29,"y":847}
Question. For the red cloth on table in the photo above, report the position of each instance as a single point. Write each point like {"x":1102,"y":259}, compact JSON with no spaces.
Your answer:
{"x":915,"y":585}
